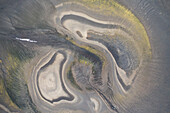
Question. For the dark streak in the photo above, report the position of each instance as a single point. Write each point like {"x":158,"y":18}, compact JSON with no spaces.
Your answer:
{"x":108,"y":102}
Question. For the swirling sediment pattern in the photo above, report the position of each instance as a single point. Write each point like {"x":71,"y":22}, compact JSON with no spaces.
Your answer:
{"x":78,"y":56}
{"x":114,"y":71}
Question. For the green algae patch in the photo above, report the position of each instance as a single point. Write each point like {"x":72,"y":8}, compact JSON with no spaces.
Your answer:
{"x":85,"y":61}
{"x":90,"y":49}
{"x":72,"y":80}
{"x":4,"y":97}
{"x":14,"y":56}
{"x":81,"y":60}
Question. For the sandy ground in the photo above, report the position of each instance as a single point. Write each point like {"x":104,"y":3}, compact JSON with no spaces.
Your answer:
{"x":49,"y":80}
{"x":150,"y":91}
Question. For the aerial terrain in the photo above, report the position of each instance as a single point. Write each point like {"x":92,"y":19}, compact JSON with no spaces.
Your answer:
{"x":84,"y":56}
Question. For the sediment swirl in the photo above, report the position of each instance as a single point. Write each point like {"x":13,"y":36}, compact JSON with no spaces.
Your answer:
{"x":81,"y":56}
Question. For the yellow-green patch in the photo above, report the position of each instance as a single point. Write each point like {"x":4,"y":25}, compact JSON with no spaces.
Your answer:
{"x":112,"y":8}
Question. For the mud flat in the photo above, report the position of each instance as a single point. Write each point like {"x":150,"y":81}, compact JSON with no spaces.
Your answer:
{"x":84,"y":56}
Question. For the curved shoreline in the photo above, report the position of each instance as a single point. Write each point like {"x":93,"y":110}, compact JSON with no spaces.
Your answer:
{"x":95,"y":46}
{"x":70,"y":98}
